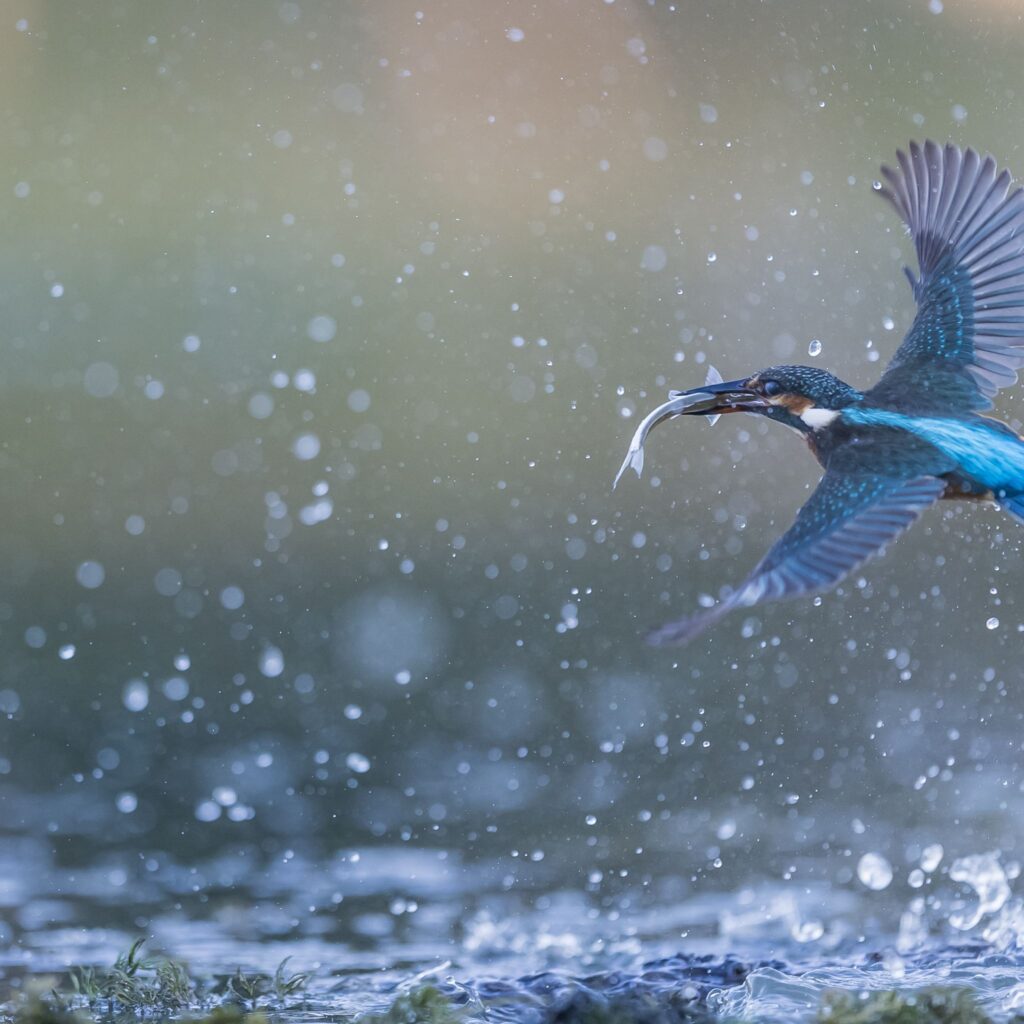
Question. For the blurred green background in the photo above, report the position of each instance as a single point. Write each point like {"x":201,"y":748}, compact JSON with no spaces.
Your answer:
{"x":325,"y":328}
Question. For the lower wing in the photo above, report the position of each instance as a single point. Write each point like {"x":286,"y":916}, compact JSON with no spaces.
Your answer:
{"x":849,"y":518}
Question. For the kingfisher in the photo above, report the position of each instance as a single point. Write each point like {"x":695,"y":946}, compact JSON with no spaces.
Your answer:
{"x":919,"y":434}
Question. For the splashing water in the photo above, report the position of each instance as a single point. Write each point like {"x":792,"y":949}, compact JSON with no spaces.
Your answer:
{"x":985,"y":875}
{"x":874,"y":871}
{"x":769,"y":952}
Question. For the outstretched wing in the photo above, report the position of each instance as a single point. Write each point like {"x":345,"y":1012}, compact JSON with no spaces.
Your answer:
{"x":967,"y":340}
{"x":849,"y":518}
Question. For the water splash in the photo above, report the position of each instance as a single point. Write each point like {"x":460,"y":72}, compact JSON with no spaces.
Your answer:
{"x":874,"y":871}
{"x":985,"y":875}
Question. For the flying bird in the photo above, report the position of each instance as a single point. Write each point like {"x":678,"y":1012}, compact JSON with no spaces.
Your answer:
{"x":917,"y":436}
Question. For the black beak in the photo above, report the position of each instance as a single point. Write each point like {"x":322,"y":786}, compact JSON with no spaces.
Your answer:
{"x":729,"y":396}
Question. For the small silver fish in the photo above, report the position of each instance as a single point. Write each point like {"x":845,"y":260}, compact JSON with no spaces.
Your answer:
{"x":678,"y":402}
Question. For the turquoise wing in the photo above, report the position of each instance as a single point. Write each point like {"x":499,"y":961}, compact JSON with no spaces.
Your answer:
{"x":967,"y":340}
{"x":848,"y":518}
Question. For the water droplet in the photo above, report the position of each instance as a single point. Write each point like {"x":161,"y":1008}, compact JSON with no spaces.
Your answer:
{"x":874,"y":871}
{"x":135,"y":695}
{"x":261,"y":406}
{"x":91,"y":575}
{"x":175,"y":688}
{"x":654,"y":258}
{"x":127,"y":802}
{"x":101,"y":380}
{"x":271,"y":661}
{"x":306,"y":447}
{"x":992,"y":623}
{"x":322,"y":328}
{"x":985,"y":875}
{"x":814,"y":348}
{"x":168,"y":582}
{"x":208,"y":810}
{"x":807,"y":931}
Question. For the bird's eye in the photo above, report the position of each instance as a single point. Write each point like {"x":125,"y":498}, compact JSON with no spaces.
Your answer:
{"x":771,"y":388}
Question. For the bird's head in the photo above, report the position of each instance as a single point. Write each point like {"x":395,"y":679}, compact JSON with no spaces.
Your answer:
{"x":803,"y":397}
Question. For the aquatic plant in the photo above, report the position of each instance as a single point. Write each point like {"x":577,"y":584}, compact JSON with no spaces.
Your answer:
{"x":286,"y":985}
{"x":423,"y":1005}
{"x":248,"y":988}
{"x":51,"y":1008}
{"x":153,"y":987}
{"x":135,"y":983}
{"x":39,"y":1006}
{"x":926,"y":1006}
{"x":281,"y":986}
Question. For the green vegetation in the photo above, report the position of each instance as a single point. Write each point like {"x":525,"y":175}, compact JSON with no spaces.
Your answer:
{"x":249,"y":988}
{"x":927,"y":1006}
{"x":154,"y":988}
{"x":423,"y":1005}
{"x":39,"y":1007}
{"x":135,"y":984}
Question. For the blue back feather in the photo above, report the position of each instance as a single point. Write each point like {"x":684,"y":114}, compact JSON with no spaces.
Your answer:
{"x":983,"y":451}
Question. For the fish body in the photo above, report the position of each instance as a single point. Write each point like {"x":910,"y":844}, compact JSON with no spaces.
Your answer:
{"x":678,"y":402}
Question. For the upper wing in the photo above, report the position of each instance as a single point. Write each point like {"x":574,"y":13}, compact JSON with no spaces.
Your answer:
{"x":967,"y":339}
{"x":849,"y":518}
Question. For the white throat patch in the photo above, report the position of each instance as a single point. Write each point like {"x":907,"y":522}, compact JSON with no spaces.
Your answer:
{"x":817,"y":418}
